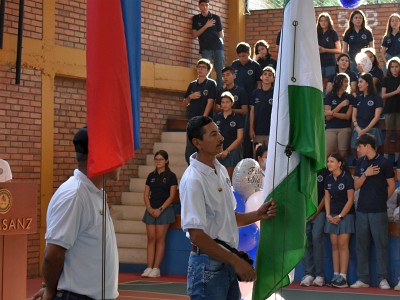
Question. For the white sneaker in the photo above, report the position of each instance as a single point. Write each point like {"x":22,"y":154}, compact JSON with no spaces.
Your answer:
{"x":154,"y":273}
{"x":307,"y":280}
{"x":359,"y":284}
{"x":146,"y":272}
{"x":384,"y":285}
{"x":319,"y":281}
{"x":397,"y":287}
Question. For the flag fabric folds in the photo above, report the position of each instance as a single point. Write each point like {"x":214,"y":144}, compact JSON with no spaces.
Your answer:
{"x":113,"y":85}
{"x":296,"y":149}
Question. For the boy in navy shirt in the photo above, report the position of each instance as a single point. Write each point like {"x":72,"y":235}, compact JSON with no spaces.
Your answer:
{"x":208,"y":28}
{"x":199,"y":97}
{"x":374,"y":177}
{"x":261,"y":108}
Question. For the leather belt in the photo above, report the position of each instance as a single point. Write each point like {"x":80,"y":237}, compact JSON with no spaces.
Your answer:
{"x":196,"y":250}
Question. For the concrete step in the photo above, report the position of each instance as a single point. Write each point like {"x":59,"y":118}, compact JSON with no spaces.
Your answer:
{"x":174,"y":160}
{"x":137,"y":185}
{"x":145,"y":170}
{"x":129,"y":227}
{"x":132,"y":198}
{"x":173,"y":137}
{"x":129,"y":212}
{"x":171,"y":148}
{"x":136,"y":241}
{"x":132,"y":256}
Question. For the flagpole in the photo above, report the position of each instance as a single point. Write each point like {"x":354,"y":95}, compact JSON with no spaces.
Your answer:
{"x":104,"y":241}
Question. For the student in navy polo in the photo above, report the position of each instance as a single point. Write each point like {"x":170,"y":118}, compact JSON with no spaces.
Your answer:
{"x":262,"y":55}
{"x":199,"y":97}
{"x":329,"y":45}
{"x":261,"y":108}
{"x":367,"y":111}
{"x":313,"y":261}
{"x":374,"y":177}
{"x":391,"y":40}
{"x":240,"y":106}
{"x":248,"y":74}
{"x":230,"y":125}
{"x":208,"y":28}
{"x":391,"y":96}
{"x":338,"y":106}
{"x":339,"y":200}
{"x":357,"y":36}
{"x":343,"y":66}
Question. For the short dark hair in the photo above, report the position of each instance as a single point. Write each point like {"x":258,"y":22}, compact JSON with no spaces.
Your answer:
{"x":366,"y":139}
{"x":260,"y":150}
{"x":206,"y":1}
{"x":204,"y":61}
{"x":194,"y":129}
{"x":243,"y":47}
{"x":228,"y":69}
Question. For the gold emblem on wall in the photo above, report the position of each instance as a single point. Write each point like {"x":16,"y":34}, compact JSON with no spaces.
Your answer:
{"x":5,"y":201}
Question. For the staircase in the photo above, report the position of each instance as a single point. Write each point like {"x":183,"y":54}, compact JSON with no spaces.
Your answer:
{"x":127,"y":217}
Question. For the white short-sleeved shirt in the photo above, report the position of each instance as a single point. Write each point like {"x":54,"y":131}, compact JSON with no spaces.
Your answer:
{"x":207,"y":201}
{"x":74,"y":222}
{"x":5,"y":171}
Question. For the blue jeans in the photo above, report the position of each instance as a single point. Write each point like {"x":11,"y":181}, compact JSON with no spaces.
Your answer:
{"x":375,"y":226}
{"x":218,"y":59}
{"x":313,"y":260}
{"x":211,"y":279}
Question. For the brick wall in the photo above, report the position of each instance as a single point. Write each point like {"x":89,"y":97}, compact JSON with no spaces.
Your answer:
{"x":167,"y":30}
{"x":20,"y":137}
{"x":265,"y":24}
{"x":71,"y":23}
{"x":33,"y":17}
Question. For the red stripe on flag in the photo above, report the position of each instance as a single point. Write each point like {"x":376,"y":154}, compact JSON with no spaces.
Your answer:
{"x":109,"y":107}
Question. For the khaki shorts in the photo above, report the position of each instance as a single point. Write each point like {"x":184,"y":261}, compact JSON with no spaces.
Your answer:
{"x":338,"y":139}
{"x":392,"y":121}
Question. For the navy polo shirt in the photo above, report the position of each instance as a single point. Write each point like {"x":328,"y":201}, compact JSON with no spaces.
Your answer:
{"x":238,"y":93}
{"x":352,"y":75}
{"x":338,"y":191}
{"x":247,"y":75}
{"x":160,"y":187}
{"x":357,"y":40}
{"x":228,"y":126}
{"x":267,"y":62}
{"x":366,"y":106}
{"x":262,"y":102}
{"x":208,"y":90}
{"x":373,"y":193}
{"x":392,"y":104}
{"x":328,"y":40}
{"x":321,"y":184}
{"x":334,"y":100}
{"x":209,"y":39}
{"x":392,"y":43}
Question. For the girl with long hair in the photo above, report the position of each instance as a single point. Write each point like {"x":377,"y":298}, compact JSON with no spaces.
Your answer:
{"x":356,"y":36}
{"x":391,"y":39}
{"x":262,"y":55}
{"x":159,"y":193}
{"x":338,"y":106}
{"x":343,"y":66}
{"x":391,"y":99}
{"x":366,"y":111}
{"x":339,"y":200}
{"x":329,"y":45}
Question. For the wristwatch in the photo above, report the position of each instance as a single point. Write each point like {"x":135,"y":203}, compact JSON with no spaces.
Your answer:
{"x":340,"y":216}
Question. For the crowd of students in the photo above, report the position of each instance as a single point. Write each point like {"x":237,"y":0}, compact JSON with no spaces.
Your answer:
{"x":357,"y":94}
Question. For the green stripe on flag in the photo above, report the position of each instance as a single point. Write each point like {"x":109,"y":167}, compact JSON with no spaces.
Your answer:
{"x":307,"y":136}
{"x":286,"y":240}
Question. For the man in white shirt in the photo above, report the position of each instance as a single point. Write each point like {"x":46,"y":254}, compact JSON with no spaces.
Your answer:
{"x":5,"y":171}
{"x":72,"y":264}
{"x":208,"y":213}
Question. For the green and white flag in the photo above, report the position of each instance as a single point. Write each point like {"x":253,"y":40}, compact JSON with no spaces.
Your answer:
{"x":297,"y":129}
